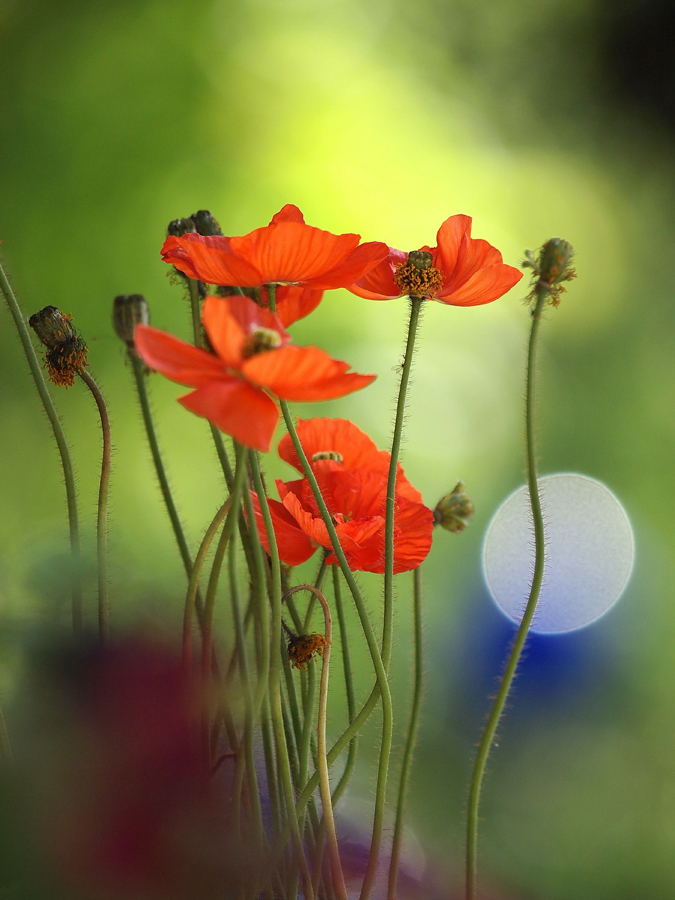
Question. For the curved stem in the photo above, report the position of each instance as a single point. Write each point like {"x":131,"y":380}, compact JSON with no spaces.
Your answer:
{"x":283,"y":762}
{"x":195,"y":575}
{"x":512,"y":663}
{"x":324,"y":778}
{"x":412,"y":737}
{"x":61,"y":443}
{"x":246,"y":760}
{"x":102,"y":514}
{"x":349,"y":687}
{"x":228,"y":528}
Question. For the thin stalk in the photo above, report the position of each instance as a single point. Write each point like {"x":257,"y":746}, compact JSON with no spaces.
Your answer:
{"x":102,"y":512}
{"x":324,"y":777}
{"x":318,"y":581}
{"x":283,"y":762}
{"x":247,"y":758}
{"x":538,"y":575}
{"x":349,"y":686}
{"x":139,"y":370}
{"x":195,"y":574}
{"x":62,"y":445}
{"x":228,"y":528}
{"x":378,"y":664}
{"x":262,"y":607}
{"x":410,"y":740}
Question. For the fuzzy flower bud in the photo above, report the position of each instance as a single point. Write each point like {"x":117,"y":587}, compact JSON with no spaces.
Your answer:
{"x":454,"y":511}
{"x":66,"y":352}
{"x":179,"y":227}
{"x":129,"y":310}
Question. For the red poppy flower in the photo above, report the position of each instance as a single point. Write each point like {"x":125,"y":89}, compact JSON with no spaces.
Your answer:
{"x":252,"y":359}
{"x":461,"y":270}
{"x":285,"y":251}
{"x":352,"y":475}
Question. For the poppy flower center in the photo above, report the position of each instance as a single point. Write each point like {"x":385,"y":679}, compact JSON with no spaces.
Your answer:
{"x":327,"y":454}
{"x":417,"y":277}
{"x":260,"y":340}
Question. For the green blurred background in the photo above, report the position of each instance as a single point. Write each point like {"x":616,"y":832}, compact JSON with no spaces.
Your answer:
{"x":381,"y":117}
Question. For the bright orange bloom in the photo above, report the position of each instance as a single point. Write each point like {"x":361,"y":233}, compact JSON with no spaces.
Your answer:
{"x":286,"y":251}
{"x":464,"y":271}
{"x":352,"y":475}
{"x":292,"y":302}
{"x":252,"y":360}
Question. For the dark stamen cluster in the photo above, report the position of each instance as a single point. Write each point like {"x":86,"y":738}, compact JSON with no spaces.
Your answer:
{"x":261,"y":340}
{"x":66,"y":351}
{"x":303,"y":647}
{"x":416,"y":277}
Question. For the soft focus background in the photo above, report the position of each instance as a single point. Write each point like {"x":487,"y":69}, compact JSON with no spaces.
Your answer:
{"x":384,"y":117}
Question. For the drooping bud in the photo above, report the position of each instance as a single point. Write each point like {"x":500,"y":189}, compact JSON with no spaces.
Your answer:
{"x":551,"y":267}
{"x":129,"y":310}
{"x":66,"y":351}
{"x":303,"y":647}
{"x":205,"y":224}
{"x":453,"y":512}
{"x":417,"y":276}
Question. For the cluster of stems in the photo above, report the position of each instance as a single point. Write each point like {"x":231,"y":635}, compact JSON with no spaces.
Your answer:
{"x":254,"y":704}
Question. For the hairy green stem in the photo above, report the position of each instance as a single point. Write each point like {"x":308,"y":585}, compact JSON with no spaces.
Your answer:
{"x":410,"y":740}
{"x":102,"y":513}
{"x":246,"y":760}
{"x":283,"y":762}
{"x":512,"y":663}
{"x":324,"y":777}
{"x":62,"y":445}
{"x":349,"y":686}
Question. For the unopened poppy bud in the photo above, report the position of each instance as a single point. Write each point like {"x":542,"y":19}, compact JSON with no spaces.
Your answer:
{"x":303,"y":647}
{"x":66,"y":351}
{"x":179,"y":227}
{"x":129,"y":310}
{"x":205,"y":224}
{"x":454,"y":511}
{"x":551,"y":266}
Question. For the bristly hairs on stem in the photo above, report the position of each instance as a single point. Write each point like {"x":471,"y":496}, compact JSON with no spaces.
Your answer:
{"x":550,"y":269}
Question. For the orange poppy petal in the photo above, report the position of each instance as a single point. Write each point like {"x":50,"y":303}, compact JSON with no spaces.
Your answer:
{"x":210,"y":259}
{"x":295,"y":303}
{"x":294,"y":546}
{"x":359,"y":262}
{"x":486,"y":285}
{"x":356,"y":493}
{"x":172,"y":252}
{"x":288,"y":213}
{"x":474,"y":255}
{"x":303,"y":374}
{"x":413,"y":531}
{"x":379,"y":284}
{"x":237,"y":408}
{"x":177,"y":360}
{"x":449,"y":239}
{"x":312,"y":525}
{"x":292,"y":251}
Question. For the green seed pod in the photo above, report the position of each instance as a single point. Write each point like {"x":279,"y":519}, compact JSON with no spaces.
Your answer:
{"x":179,"y":227}
{"x":454,"y":511}
{"x":205,"y":224}
{"x":556,"y":256}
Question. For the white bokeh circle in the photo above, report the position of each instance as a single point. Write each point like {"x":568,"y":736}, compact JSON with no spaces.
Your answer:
{"x":589,"y":553}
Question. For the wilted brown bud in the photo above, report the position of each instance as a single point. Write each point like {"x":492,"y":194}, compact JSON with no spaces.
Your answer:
{"x":66,"y":351}
{"x":454,"y":511}
{"x":129,"y":310}
{"x":302,"y":647}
